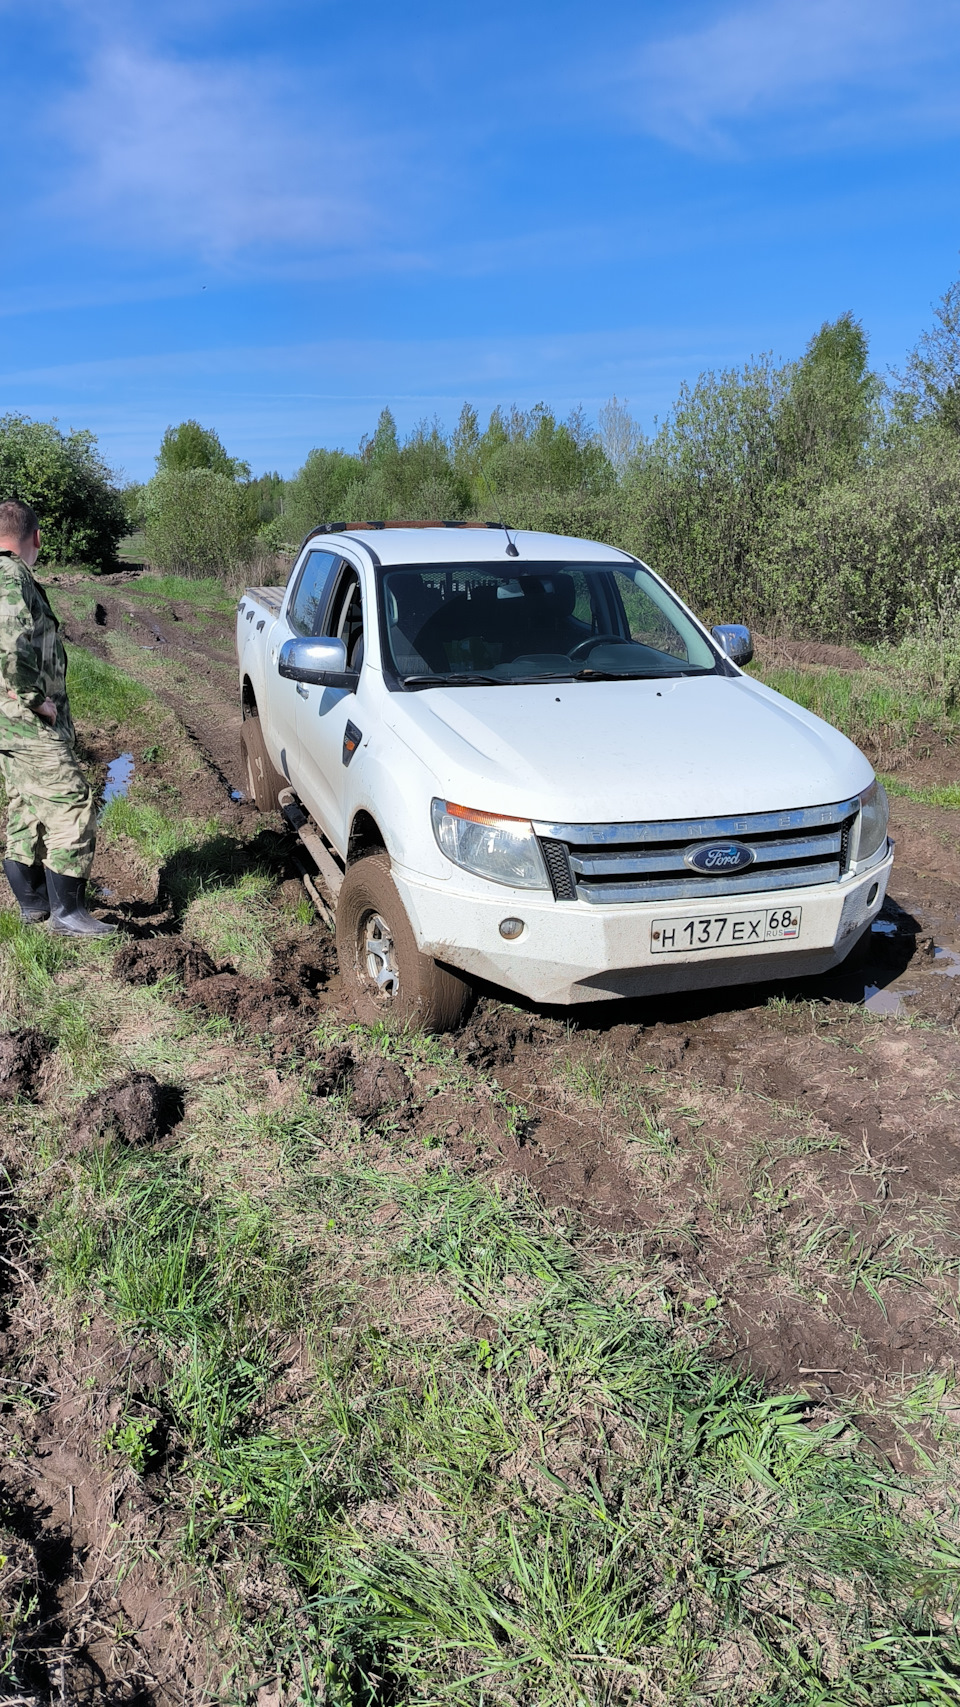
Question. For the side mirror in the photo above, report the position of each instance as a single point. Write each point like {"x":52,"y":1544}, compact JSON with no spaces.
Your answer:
{"x":321,"y":662}
{"x":735,"y":640}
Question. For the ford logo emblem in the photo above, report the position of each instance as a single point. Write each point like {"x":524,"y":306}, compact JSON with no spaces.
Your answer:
{"x":719,"y":857}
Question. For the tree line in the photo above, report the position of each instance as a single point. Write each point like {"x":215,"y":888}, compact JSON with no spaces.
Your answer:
{"x":813,"y":497}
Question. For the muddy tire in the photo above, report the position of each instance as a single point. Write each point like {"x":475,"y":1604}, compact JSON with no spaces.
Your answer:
{"x":382,"y":968}
{"x":263,"y":782}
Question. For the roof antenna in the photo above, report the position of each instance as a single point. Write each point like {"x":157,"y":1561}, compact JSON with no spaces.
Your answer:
{"x":511,"y":548}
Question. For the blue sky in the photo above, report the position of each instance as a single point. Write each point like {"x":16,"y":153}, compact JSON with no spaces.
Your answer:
{"x":279,"y":217}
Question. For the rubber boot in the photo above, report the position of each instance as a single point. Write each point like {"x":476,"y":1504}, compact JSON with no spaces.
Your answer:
{"x":29,"y":888}
{"x":68,"y":915}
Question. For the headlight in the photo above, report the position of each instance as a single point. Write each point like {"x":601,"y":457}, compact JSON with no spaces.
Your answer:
{"x":874,"y":813}
{"x":503,"y":849}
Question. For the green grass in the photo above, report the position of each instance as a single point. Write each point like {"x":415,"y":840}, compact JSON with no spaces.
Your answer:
{"x":199,"y":863}
{"x":601,"y":1574}
{"x":101,"y":694}
{"x":866,"y":706}
{"x":235,"y":922}
{"x":157,"y":836}
{"x":944,"y":794}
{"x":463,"y":1452}
{"x":206,"y":592}
{"x":132,"y":546}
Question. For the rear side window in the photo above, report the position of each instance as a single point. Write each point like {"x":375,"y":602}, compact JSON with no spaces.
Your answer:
{"x":309,"y":596}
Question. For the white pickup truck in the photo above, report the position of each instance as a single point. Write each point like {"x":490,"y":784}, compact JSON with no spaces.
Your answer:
{"x":520,"y":758}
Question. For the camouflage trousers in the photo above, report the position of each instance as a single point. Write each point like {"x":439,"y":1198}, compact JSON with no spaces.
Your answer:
{"x":50,"y":809}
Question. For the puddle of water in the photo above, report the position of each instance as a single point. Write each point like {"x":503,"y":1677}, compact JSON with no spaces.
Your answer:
{"x":237,"y":794}
{"x":884,"y":927}
{"x":878,"y":1001}
{"x":119,"y":777}
{"x":947,"y":962}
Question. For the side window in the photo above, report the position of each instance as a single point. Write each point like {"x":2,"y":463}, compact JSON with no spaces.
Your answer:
{"x":306,"y":605}
{"x":345,"y":619}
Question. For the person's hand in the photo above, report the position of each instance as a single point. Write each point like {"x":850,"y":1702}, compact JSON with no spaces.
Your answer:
{"x":47,"y":711}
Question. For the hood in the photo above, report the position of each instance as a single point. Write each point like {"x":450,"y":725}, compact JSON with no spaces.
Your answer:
{"x":622,"y":752}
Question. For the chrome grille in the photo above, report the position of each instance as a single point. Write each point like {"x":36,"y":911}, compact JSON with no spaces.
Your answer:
{"x":619,"y":863}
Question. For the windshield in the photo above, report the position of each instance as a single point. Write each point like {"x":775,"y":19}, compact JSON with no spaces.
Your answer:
{"x":545,"y":622}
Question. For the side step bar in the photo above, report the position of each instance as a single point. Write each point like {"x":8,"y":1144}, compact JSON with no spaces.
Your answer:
{"x":329,"y":866}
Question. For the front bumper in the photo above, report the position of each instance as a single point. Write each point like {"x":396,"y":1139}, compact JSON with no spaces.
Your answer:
{"x":573,"y":952}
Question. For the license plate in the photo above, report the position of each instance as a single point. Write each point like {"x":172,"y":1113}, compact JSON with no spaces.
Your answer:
{"x":724,"y":930}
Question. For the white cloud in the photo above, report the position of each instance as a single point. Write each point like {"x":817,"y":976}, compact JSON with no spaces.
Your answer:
{"x":212,"y":160}
{"x":835,"y":67}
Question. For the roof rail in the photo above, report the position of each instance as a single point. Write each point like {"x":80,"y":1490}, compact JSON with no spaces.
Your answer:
{"x":371,"y":527}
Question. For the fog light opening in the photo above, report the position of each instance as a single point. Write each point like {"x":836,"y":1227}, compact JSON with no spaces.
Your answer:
{"x":874,"y":892}
{"x":511,"y":929}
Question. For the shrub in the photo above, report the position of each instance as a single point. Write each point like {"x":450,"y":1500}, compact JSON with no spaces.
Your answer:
{"x":65,"y":479}
{"x":870,"y":556}
{"x":318,"y":492}
{"x":198,"y":522}
{"x":192,"y":446}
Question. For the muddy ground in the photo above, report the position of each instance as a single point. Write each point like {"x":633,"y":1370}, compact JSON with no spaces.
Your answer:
{"x":788,"y":1156}
{"x":851,"y":1080}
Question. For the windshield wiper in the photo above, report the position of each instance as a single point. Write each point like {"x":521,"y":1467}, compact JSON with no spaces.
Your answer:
{"x":453,"y":680}
{"x":617,"y":676}
{"x":635,"y":675}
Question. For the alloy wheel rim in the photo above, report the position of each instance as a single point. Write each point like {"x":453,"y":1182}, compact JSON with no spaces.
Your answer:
{"x":378,"y":956}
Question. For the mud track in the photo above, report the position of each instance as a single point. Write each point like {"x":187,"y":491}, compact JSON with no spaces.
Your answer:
{"x":787,"y":1152}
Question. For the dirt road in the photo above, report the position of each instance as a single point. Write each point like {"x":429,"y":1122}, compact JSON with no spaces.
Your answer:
{"x":792,"y":1153}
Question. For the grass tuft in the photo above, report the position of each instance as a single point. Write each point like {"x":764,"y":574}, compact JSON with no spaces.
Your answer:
{"x":99,"y":693}
{"x":206,"y":592}
{"x":235,"y":922}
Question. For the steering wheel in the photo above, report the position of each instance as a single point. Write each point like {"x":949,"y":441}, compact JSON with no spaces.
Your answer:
{"x":585,"y":647}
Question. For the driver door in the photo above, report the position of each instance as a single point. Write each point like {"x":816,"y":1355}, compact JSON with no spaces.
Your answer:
{"x":304,"y":608}
{"x":324,"y":713}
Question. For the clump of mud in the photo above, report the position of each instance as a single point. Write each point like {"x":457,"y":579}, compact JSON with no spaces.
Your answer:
{"x":492,"y":1038}
{"x":379,"y":1087}
{"x":162,"y":957}
{"x":332,"y":1071}
{"x":132,"y":1111}
{"x":22,"y":1054}
{"x":298,"y":972}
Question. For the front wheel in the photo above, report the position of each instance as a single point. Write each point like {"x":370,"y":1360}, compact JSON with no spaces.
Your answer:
{"x":382,"y":968}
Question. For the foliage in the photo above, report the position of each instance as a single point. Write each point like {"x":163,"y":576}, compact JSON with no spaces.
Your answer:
{"x":132,"y":497}
{"x":823,"y":421}
{"x":65,"y":479}
{"x":318,"y":492}
{"x":192,"y":446}
{"x":804,"y":498}
{"x":198,"y":522}
{"x":931,"y":386}
{"x":267,"y":494}
{"x":869,"y":555}
{"x":699,"y":496}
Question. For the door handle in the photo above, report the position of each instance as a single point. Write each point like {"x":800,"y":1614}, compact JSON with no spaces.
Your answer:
{"x":302,"y":691}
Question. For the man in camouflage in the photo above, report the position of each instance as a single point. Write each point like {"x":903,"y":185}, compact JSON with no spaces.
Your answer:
{"x":51,"y":822}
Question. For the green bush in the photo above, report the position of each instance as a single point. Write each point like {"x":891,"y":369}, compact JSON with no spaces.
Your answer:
{"x":65,"y":479}
{"x":192,"y":446}
{"x":871,"y":556}
{"x":198,"y":522}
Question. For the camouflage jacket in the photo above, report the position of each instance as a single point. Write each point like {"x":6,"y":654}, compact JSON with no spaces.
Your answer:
{"x":33,"y":663}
